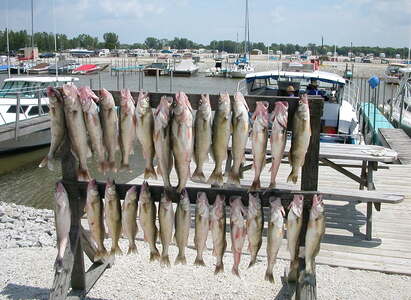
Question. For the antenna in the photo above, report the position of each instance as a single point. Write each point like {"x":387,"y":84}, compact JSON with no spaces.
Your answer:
{"x":55,"y":37}
{"x":7,"y":37}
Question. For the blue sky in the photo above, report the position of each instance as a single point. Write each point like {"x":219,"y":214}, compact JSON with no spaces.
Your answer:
{"x":362,"y":22}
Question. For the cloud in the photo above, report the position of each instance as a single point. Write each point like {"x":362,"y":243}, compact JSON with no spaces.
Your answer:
{"x":130,"y":8}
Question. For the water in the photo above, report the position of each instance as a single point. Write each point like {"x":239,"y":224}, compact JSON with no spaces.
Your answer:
{"x":22,"y":182}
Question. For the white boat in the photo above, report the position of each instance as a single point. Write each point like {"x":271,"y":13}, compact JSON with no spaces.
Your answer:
{"x":339,"y":120}
{"x":32,"y":92}
{"x":185,"y":68}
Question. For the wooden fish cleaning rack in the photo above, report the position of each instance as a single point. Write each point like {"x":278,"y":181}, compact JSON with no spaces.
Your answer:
{"x":74,"y":274}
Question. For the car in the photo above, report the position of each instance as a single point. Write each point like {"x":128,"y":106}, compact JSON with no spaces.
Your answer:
{"x":47,"y":55}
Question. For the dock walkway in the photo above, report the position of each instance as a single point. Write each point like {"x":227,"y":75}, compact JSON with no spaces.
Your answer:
{"x":398,"y":140}
{"x":344,"y":244}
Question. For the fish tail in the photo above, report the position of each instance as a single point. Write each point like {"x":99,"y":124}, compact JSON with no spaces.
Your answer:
{"x":115,"y":250}
{"x":101,"y":166}
{"x":180,"y":259}
{"x":47,"y":161}
{"x":252,"y":262}
{"x":198,"y":176}
{"x":125,"y":167}
{"x":235,"y":271}
{"x":256,"y":185}
{"x":58,"y":265}
{"x":293,"y":176}
{"x":272,"y":185}
{"x":83,"y":175}
{"x":234,"y":178}
{"x":269,"y":276}
{"x":100,"y":254}
{"x":199,"y":261}
{"x":154,"y":255}
{"x":306,"y":278}
{"x":132,"y":249}
{"x":110,"y":166}
{"x":165,"y":261}
{"x":216,"y":178}
{"x":292,"y":274}
{"x":150,"y":173}
{"x":219,"y":269}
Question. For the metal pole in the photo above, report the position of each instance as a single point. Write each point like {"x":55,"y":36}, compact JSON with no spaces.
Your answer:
{"x":171,"y":81}
{"x":16,"y":124}
{"x":157,"y":75}
{"x":99,"y":80}
{"x":142,"y":81}
{"x":91,"y":83}
{"x":402,"y":107}
{"x":139,"y":79}
{"x":40,"y":110}
{"x":383,"y":98}
{"x":124,"y":80}
{"x":118,"y":82}
{"x":375,"y":113}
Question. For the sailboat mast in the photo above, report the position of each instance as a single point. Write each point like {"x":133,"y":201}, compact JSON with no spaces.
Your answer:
{"x":8,"y":43}
{"x":248,"y":32}
{"x":245,"y":28}
{"x":32,"y":31}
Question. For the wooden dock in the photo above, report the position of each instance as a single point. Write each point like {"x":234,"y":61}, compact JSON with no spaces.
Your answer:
{"x":344,"y":243}
{"x":25,"y":127}
{"x":398,"y":140}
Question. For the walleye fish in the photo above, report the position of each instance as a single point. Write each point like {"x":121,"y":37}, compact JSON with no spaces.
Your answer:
{"x":238,"y":230}
{"x":95,"y":217}
{"x":93,"y":124}
{"x":162,"y":140}
{"x":57,"y":126}
{"x":275,"y":235}
{"x":76,"y":129}
{"x":128,"y":123}
{"x":294,"y":223}
{"x":62,"y":216}
{"x":217,"y":227}
{"x":300,"y":138}
{"x":145,"y":130}
{"x":279,"y":119}
{"x":182,"y":224}
{"x":202,"y":137}
{"x":129,"y":219}
{"x":109,"y":122}
{"x":259,"y":141}
{"x":202,"y":226}
{"x":315,"y":232}
{"x":240,"y":136}
{"x":255,"y":223}
{"x":182,"y":138}
{"x":112,"y":210}
{"x":166,"y":218}
{"x":147,"y":214}
{"x":220,"y":138}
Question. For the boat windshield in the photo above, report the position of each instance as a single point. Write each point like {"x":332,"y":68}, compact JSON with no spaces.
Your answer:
{"x":27,"y":89}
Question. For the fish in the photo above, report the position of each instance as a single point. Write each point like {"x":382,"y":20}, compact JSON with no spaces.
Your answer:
{"x":238,"y":230}
{"x":76,"y":128}
{"x":202,"y":137}
{"x":182,"y":138}
{"x":240,"y":120}
{"x":218,"y":227}
{"x":91,"y":117}
{"x":145,"y":131}
{"x":166,"y":218}
{"x":279,"y":120}
{"x":300,"y":138}
{"x":315,"y":232}
{"x":255,"y":223}
{"x":202,"y":226}
{"x":147,"y":215}
{"x":259,"y":137}
{"x":128,"y":123}
{"x":162,"y":140}
{"x":182,"y":226}
{"x":221,"y":130}
{"x":112,"y":209}
{"x":129,"y":219}
{"x":274,"y":236}
{"x":294,"y":223}
{"x":57,"y":126}
{"x":95,"y":216}
{"x":109,"y":123}
{"x":62,"y":214}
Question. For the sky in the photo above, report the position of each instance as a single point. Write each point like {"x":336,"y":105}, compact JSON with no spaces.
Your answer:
{"x":362,"y":22}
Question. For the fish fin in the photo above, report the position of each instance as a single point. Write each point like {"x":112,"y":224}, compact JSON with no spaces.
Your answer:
{"x":234,"y":178}
{"x":116,"y":251}
{"x":214,"y":253}
{"x":216,"y":178}
{"x":154,"y":255}
{"x":165,"y":261}
{"x":252,"y":262}
{"x":89,"y":152}
{"x":293,"y":176}
{"x":198,"y":176}
{"x":83,"y":175}
{"x":180,"y":259}
{"x":58,"y":265}
{"x":150,"y":173}
{"x":111,"y":166}
{"x":132,"y":249}
{"x":256,"y":185}
{"x":235,"y":271}
{"x":199,"y":261}
{"x":101,"y":166}
{"x":100,"y":254}
{"x":125,"y":167}
{"x":45,"y":162}
{"x":272,"y":185}
{"x":159,"y":171}
{"x":269,"y":276}
{"x":219,"y":269}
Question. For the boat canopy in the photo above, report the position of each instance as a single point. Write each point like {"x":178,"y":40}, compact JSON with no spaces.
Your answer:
{"x":43,"y":79}
{"x":316,"y":75}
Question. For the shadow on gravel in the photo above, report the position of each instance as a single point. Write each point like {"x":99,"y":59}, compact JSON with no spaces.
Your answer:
{"x":19,"y":292}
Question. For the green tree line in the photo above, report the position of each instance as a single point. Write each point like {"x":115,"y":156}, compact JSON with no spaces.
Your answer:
{"x":45,"y":42}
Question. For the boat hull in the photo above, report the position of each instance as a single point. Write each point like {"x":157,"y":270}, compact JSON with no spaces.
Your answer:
{"x":39,"y":138}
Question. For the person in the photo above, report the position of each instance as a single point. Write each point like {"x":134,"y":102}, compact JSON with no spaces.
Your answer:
{"x":312,"y":88}
{"x":290,"y":91}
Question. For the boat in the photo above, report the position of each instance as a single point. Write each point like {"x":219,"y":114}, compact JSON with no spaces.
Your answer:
{"x":162,"y":66}
{"x":393,"y":74}
{"x":63,"y":67}
{"x":240,"y":68}
{"x":41,"y":68}
{"x":21,"y":68}
{"x":185,"y":68}
{"x":339,"y":120}
{"x":31,"y":90}
{"x":86,"y":69}
{"x":219,"y":69}
{"x":4,"y":69}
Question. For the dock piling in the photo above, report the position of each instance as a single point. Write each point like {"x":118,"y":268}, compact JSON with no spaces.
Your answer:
{"x":18,"y":109}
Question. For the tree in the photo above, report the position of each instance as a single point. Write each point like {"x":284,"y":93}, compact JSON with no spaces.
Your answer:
{"x":152,"y":43}
{"x":111,"y":40}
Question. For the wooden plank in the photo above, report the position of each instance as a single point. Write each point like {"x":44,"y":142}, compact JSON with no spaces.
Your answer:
{"x":398,"y":140}
{"x":95,"y":271}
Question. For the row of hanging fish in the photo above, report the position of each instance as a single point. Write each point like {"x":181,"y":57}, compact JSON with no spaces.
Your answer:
{"x":172,"y":136}
{"x":245,"y":223}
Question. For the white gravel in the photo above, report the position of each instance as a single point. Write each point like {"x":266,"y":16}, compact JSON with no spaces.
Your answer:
{"x":27,"y":273}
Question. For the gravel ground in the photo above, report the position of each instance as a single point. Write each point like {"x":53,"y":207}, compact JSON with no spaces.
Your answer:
{"x":27,"y":272}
